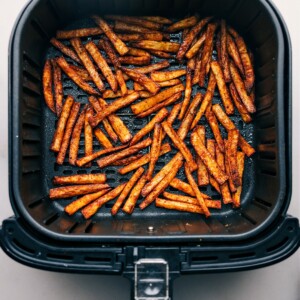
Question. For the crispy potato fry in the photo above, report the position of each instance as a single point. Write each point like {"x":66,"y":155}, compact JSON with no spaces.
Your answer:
{"x":192,"y":62}
{"x":80,"y":179}
{"x":127,"y":160}
{"x":213,"y":123}
{"x":207,"y":51}
{"x":75,"y":138}
{"x":62,"y":121}
{"x":228,"y":124}
{"x":121,"y":48}
{"x":180,"y":145}
{"x":67,"y":134}
{"x":145,"y":94}
{"x":239,"y":104}
{"x":102,"y":64}
{"x":159,"y":46}
{"x":162,"y":114}
{"x":109,"y":94}
{"x":76,"y":190}
{"x":212,"y":150}
{"x":158,"y":19}
{"x":167,"y":75}
{"x":134,"y":195}
{"x":108,"y":160}
{"x":155,"y":150}
{"x":182,"y":24}
{"x":138,"y":52}
{"x":165,"y":148}
{"x":136,"y":21}
{"x":125,"y":27}
{"x":196,"y":190}
{"x":83,"y":73}
{"x":160,"y":54}
{"x":224,"y":93}
{"x":74,"y":76}
{"x":163,"y":184}
{"x":185,"y":125}
{"x":128,"y":187}
{"x":153,"y":67}
{"x":142,"y":79}
{"x":236,"y":197}
{"x":93,"y":207}
{"x":86,"y":61}
{"x":109,"y":50}
{"x":65,"y":50}
{"x":231,"y":185}
{"x":180,"y":206}
{"x":240,"y":87}
{"x":233,"y":52}
{"x":152,"y":101}
{"x":102,"y":138}
{"x":160,"y":105}
{"x":77,"y":33}
{"x":130,"y":37}
{"x":135,"y":60}
{"x":233,"y":138}
{"x":88,"y":135}
{"x":224,"y":54}
{"x":206,"y":100}
{"x":138,"y":87}
{"x":58,"y":88}
{"x":190,"y":37}
{"x":187,"y":93}
{"x":86,"y":159}
{"x":207,"y":159}
{"x":170,"y":82}
{"x":79,"y":203}
{"x":113,"y":107}
{"x":195,"y":48}
{"x":47,"y":86}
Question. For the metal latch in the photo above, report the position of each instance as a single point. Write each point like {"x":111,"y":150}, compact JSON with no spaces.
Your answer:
{"x":151,"y":279}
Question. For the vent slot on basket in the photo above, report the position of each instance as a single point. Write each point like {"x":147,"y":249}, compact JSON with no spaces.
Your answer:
{"x":204,"y":259}
{"x":59,"y":257}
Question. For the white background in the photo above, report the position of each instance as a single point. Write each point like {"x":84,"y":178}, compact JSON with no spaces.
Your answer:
{"x":281,"y":281}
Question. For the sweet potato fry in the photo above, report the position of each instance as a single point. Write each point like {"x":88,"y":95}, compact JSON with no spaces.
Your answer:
{"x":163,"y":184}
{"x":138,"y":87}
{"x":93,"y":207}
{"x":207,"y":51}
{"x":224,"y":54}
{"x":80,"y":179}
{"x":135,"y":60}
{"x":213,"y":123}
{"x":240,"y":87}
{"x":128,"y":187}
{"x":236,"y":197}
{"x":206,"y":100}
{"x":118,"y":44}
{"x":157,"y":19}
{"x":187,"y":93}
{"x":162,"y":114}
{"x":186,"y":199}
{"x":192,"y":63}
{"x":138,"y":52}
{"x":109,"y":50}
{"x":47,"y":86}
{"x":102,"y":138}
{"x":86,"y":159}
{"x":212,"y":150}
{"x":233,"y":138}
{"x":153,"y":67}
{"x":180,"y":206}
{"x":160,"y":54}
{"x":75,"y":138}
{"x":86,"y":61}
{"x":102,"y":64}
{"x":88,"y":135}
{"x":109,"y":94}
{"x":65,"y":50}
{"x":160,"y":105}
{"x":165,"y":148}
{"x":130,"y":37}
{"x":127,"y":160}
{"x":207,"y":159}
{"x":231,"y":185}
{"x":83,"y":73}
{"x":152,"y":101}
{"x":145,"y":94}
{"x":75,"y":190}
{"x":125,"y":27}
{"x":155,"y":150}
{"x":195,"y":48}
{"x":142,"y":79}
{"x":224,"y":93}
{"x":159,"y":46}
{"x":187,"y":121}
{"x":136,"y":21}
{"x":202,"y":173}
{"x":108,"y":160}
{"x":196,"y":190}
{"x":228,"y":124}
{"x":180,"y":145}
{"x":190,"y":37}
{"x":61,"y":125}
{"x":234,"y":53}
{"x":58,"y":88}
{"x":116,"y":105}
{"x":239,"y":104}
{"x":78,"y":33}
{"x":167,"y":75}
{"x":134,"y":195}
{"x":67,"y":134}
{"x":74,"y":76}
{"x":197,"y":68}
{"x":182,"y":24}
{"x":170,"y":82}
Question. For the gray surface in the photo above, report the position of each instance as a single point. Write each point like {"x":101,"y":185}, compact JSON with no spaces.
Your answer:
{"x":281,"y":281}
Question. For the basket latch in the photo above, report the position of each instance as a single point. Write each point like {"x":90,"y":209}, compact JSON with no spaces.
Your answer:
{"x":151,"y":279}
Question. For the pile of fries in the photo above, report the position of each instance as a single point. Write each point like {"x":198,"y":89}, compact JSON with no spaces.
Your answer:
{"x":163,"y":95}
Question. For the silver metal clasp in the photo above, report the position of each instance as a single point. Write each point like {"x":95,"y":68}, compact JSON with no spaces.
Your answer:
{"x":151,"y":279}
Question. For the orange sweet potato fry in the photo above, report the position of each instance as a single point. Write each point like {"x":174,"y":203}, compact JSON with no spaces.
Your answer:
{"x":110,"y":94}
{"x":233,"y":138}
{"x":182,"y":24}
{"x":234,"y":53}
{"x":196,"y":47}
{"x":83,"y":73}
{"x":65,"y":50}
{"x":167,"y":75}
{"x":47,"y":86}
{"x":159,"y":46}
{"x":128,"y":28}
{"x":236,"y":197}
{"x":58,"y":88}
{"x":127,"y":160}
{"x":88,"y":135}
{"x":231,"y":185}
{"x":160,"y":54}
{"x":224,"y":53}
{"x":138,"y":52}
{"x":212,"y":150}
{"x":77,"y":33}
{"x":102,"y":138}
{"x":153,"y":67}
{"x":130,"y":37}
{"x":80,"y":179}
{"x":135,"y":60}
{"x":158,"y":19}
{"x":213,"y":123}
{"x":180,"y":206}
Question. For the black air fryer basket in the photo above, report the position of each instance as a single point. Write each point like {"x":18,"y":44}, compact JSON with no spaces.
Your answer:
{"x":150,"y":248}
